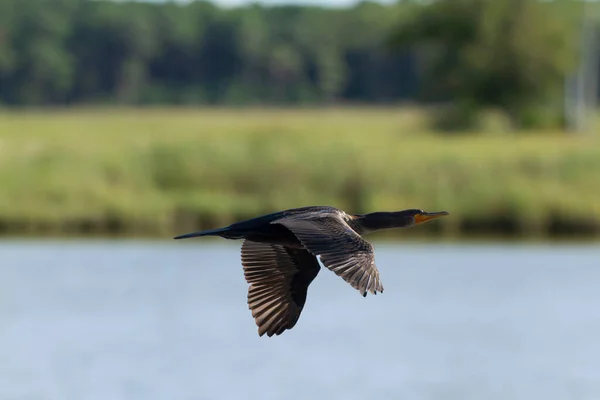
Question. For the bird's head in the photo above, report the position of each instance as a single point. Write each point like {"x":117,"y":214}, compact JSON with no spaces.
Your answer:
{"x":416,"y":216}
{"x":399,"y":219}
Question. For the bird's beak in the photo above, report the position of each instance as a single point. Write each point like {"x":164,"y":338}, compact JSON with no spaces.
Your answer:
{"x":420,"y":218}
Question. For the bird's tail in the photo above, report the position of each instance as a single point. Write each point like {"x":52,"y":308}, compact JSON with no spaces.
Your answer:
{"x":211,"y":232}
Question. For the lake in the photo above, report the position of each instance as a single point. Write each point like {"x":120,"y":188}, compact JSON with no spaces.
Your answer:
{"x":145,"y":320}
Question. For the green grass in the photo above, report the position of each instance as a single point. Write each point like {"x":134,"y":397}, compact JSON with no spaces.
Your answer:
{"x":164,"y":171}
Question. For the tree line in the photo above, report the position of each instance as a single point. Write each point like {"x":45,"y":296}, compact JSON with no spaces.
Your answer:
{"x":79,"y":51}
{"x":505,"y":53}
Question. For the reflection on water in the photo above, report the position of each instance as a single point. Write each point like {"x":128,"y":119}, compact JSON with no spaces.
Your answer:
{"x":153,"y":320}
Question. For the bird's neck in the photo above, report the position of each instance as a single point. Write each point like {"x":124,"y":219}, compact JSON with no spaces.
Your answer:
{"x":367,"y":223}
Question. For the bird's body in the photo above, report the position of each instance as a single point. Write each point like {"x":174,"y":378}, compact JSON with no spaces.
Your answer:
{"x":279,"y":255}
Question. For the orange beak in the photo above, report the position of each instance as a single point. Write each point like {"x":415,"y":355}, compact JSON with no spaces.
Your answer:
{"x":420,"y":218}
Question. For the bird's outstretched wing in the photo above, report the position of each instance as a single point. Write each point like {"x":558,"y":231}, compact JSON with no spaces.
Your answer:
{"x":279,"y":278}
{"x":339,"y":247}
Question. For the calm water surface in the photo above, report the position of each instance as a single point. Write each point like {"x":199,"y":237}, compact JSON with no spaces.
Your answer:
{"x":112,"y":320}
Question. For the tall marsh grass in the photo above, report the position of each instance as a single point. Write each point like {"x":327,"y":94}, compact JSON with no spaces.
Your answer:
{"x":164,"y":171}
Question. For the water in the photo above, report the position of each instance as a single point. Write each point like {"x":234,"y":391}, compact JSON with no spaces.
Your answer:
{"x":168,"y":320}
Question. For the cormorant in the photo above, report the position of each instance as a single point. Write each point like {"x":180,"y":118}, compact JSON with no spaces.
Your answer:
{"x":279,"y":255}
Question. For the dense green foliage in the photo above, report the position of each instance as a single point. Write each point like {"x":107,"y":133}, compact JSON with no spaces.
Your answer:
{"x":74,"y":51}
{"x":168,"y":171}
{"x":511,"y":55}
{"x":499,"y":53}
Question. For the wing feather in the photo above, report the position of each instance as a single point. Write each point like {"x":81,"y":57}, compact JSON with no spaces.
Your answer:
{"x":339,"y":247}
{"x":279,"y":278}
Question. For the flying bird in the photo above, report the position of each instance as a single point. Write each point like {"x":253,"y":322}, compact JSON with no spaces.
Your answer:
{"x":279,"y":255}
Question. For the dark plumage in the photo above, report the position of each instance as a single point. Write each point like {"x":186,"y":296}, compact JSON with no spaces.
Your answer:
{"x":279,"y":256}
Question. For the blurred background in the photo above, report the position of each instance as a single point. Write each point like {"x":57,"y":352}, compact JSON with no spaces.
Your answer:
{"x":125,"y":123}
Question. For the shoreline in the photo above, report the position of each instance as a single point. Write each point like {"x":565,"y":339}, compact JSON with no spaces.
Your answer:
{"x":508,"y":229}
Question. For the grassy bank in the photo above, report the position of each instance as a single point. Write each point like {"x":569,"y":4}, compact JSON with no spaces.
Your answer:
{"x":160,"y":172}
